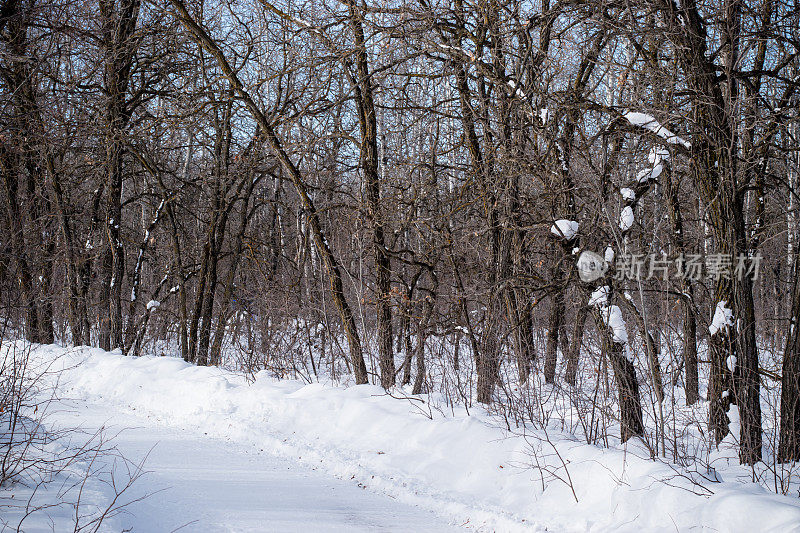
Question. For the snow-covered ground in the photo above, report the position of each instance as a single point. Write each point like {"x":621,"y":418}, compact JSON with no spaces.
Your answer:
{"x":195,"y":482}
{"x":237,"y":452}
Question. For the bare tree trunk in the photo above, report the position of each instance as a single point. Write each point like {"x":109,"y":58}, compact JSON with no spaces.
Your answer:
{"x":630,"y":407}
{"x":369,"y":166}
{"x":207,"y":310}
{"x":215,"y":356}
{"x":716,"y":175}
{"x":428,"y":305}
{"x":691,"y":386}
{"x":522,"y":328}
{"x":200,"y":295}
{"x":554,"y":324}
{"x":24,"y":277}
{"x":789,"y":444}
{"x":131,"y":329}
{"x":119,"y":23}
{"x":573,"y":356}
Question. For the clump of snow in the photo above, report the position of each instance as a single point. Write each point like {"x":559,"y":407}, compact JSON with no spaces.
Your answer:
{"x":627,"y":194}
{"x":609,"y":254}
{"x":152,"y":304}
{"x":650,"y":173}
{"x":626,"y":218}
{"x":649,"y":122}
{"x":657,"y":155}
{"x":565,"y":228}
{"x":628,"y":296}
{"x":723,"y":317}
{"x":730,"y":362}
{"x":517,"y":91}
{"x":612,"y":316}
{"x":600,"y":295}
{"x":735,"y":423}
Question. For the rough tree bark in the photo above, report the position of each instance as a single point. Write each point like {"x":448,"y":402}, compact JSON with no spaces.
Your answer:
{"x":119,"y":19}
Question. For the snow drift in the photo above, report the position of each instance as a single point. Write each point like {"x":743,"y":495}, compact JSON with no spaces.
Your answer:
{"x":463,"y":466}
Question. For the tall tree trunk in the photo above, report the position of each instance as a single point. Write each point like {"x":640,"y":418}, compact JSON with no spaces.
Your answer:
{"x":789,"y":444}
{"x":23,"y":271}
{"x":522,"y":328}
{"x":215,"y":356}
{"x":207,"y":310}
{"x":24,"y":180}
{"x":131,"y":330}
{"x":200,"y":294}
{"x":554,"y":324}
{"x":428,"y":305}
{"x":715,"y":104}
{"x":119,"y":19}
{"x":630,"y":407}
{"x":691,"y":385}
{"x":369,"y":166}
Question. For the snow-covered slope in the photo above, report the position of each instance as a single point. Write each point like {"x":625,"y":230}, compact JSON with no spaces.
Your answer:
{"x":464,"y":467}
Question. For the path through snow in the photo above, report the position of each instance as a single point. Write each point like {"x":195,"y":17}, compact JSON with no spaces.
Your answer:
{"x":466,"y":467}
{"x":209,"y":485}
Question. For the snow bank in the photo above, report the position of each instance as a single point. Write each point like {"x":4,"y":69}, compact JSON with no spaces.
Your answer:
{"x":463,"y":466}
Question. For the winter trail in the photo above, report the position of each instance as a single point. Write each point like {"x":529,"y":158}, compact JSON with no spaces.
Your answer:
{"x":204,"y":484}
